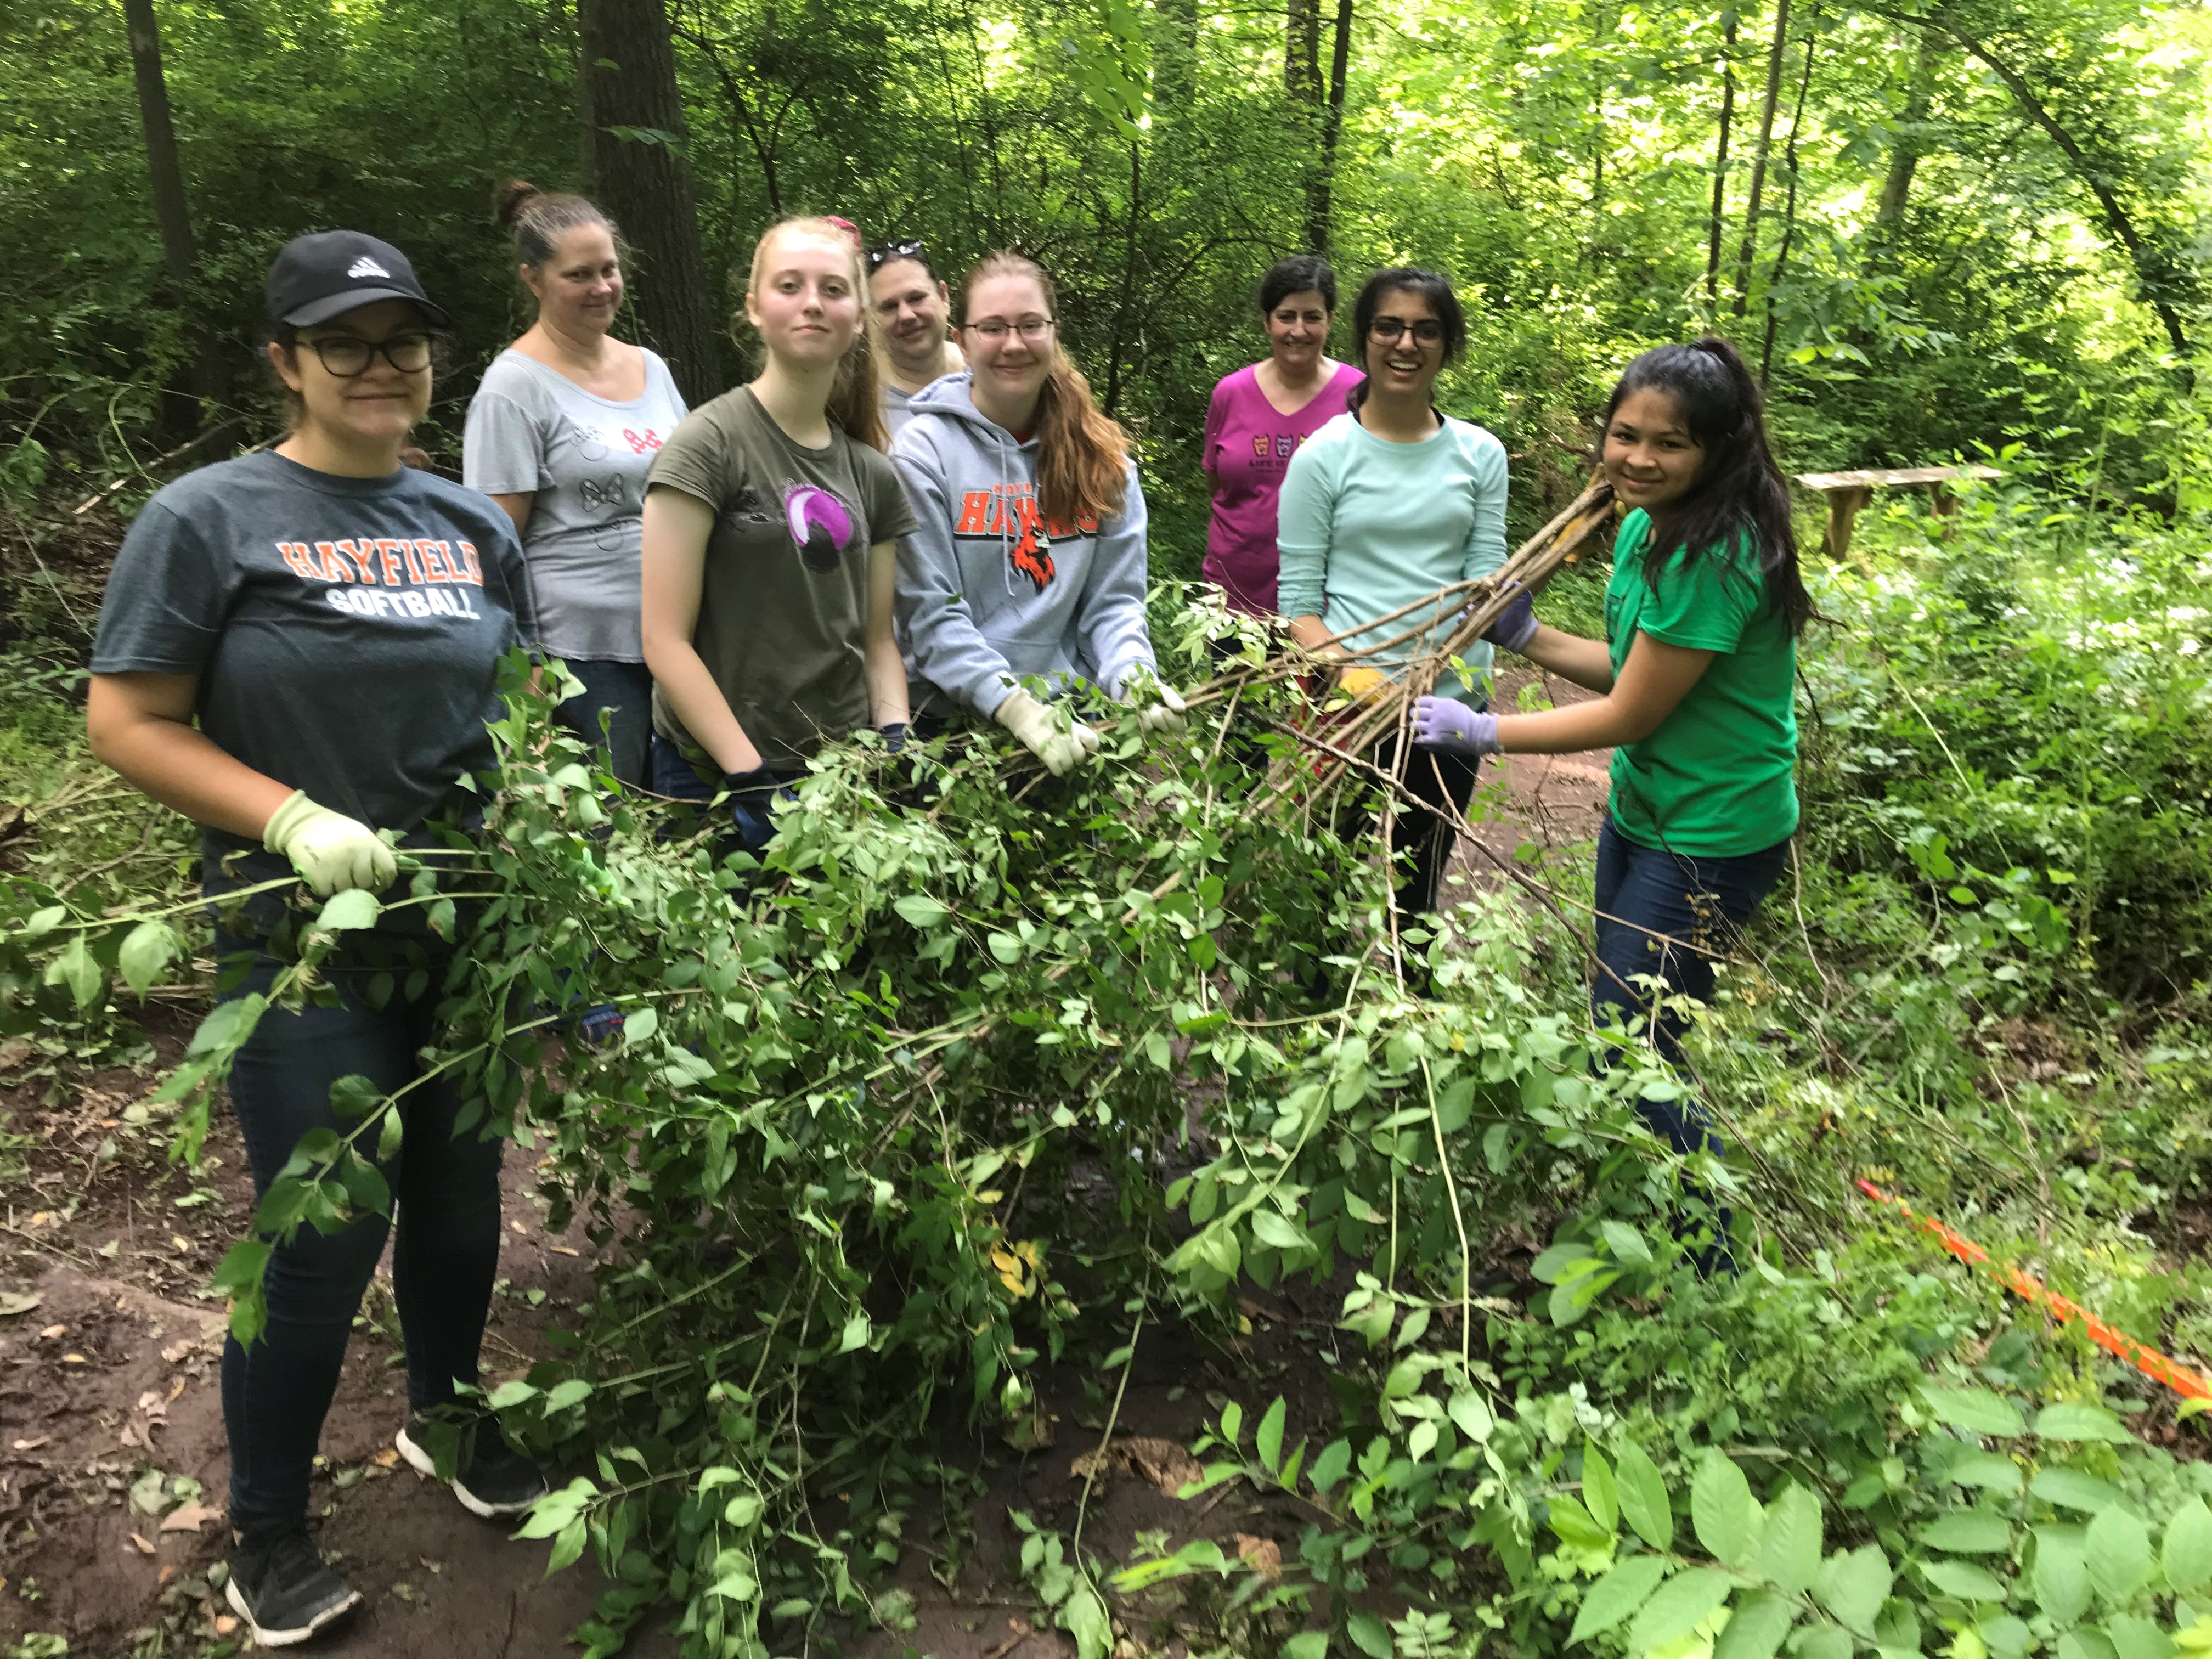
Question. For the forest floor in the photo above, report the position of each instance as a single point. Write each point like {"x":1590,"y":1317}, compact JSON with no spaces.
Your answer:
{"x":111,"y":1414}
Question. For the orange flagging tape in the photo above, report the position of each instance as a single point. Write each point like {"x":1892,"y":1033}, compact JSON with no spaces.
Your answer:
{"x":2190,"y":1384}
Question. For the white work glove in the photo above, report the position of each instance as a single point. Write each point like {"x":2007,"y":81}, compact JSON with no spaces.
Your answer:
{"x":333,"y":853}
{"x":1158,"y":709}
{"x":1062,"y":748}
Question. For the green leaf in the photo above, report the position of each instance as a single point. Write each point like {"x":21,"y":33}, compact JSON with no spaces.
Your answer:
{"x":1755,"y":1627}
{"x":1790,"y":1547}
{"x":572,"y":1391}
{"x":1970,"y":1532}
{"x":1680,"y":1603}
{"x":1005,"y":946}
{"x":1576,"y":1525}
{"x":570,"y":1544}
{"x":2137,"y":1638}
{"x":2061,"y":1576}
{"x":1962,"y":1579}
{"x":1644,"y":1497}
{"x":1991,"y":1470}
{"x":347,"y":912}
{"x":1268,"y":1438}
{"x":1617,"y":1595}
{"x":147,"y":950}
{"x":2071,"y":1419}
{"x":1598,"y":1489}
{"x":1369,"y":1634}
{"x":1975,"y":1409}
{"x":1278,"y":1231}
{"x":389,"y":1136}
{"x":75,"y":969}
{"x":1853,"y":1587}
{"x":1329,"y":1467}
{"x":919,"y":911}
{"x":2007,"y":1637}
{"x":2070,"y":1489}
{"x":2117,"y":1550}
{"x":1306,"y":1644}
{"x":1086,"y":1620}
{"x":1822,"y":1641}
{"x":1469,"y":1411}
{"x":2086,"y":1642}
{"x":2187,"y":1552}
{"x":1626,"y":1242}
{"x":1720,"y":1507}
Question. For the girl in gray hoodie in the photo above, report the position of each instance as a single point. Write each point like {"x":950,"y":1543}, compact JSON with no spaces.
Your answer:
{"x":1027,"y":561}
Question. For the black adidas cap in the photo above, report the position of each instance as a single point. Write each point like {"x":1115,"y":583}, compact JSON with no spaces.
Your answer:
{"x":319,"y":277}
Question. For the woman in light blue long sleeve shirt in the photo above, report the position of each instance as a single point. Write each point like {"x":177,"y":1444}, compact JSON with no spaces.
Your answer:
{"x":1383,"y":506}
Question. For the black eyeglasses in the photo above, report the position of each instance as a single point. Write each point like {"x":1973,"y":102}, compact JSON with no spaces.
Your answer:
{"x":1427,"y":331}
{"x":880,"y":256}
{"x":348,"y":357}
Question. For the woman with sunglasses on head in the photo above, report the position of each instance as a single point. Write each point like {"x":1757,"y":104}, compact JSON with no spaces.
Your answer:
{"x":912,"y":305}
{"x":1696,"y":679}
{"x":299,"y":649}
{"x":1258,"y":418}
{"x":561,"y":433}
{"x":1027,"y":564}
{"x":769,"y":520}
{"x":1383,"y":506}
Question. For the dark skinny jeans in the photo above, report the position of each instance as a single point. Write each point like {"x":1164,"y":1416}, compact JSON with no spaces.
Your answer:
{"x":445,"y":1254}
{"x":1670,"y":917}
{"x":624,"y":691}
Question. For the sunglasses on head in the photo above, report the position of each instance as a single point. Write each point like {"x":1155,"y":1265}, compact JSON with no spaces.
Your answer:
{"x":880,"y":256}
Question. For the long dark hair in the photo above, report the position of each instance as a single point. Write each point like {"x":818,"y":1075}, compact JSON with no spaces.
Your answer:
{"x":1404,"y":279}
{"x":1739,"y":494}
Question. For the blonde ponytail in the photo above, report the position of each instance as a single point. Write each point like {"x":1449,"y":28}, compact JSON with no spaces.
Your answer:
{"x":856,"y":400}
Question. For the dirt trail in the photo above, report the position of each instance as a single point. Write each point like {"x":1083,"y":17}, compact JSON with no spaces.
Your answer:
{"x":109,"y":1398}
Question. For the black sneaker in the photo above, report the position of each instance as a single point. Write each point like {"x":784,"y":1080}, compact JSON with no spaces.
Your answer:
{"x":280,"y":1586}
{"x":490,"y":1478}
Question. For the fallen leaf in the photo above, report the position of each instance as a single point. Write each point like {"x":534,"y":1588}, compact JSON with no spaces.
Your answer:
{"x":168,"y":1572}
{"x":224,"y":1623}
{"x":435,"y":1566}
{"x":563,"y":1250}
{"x":52,"y":1332}
{"x":144,"y":1548}
{"x":108,"y":1250}
{"x":517,"y":1226}
{"x":404,"y":1591}
{"x":74,"y":1359}
{"x":180,"y":1240}
{"x":18,"y":1302}
{"x":42,"y":1217}
{"x":176,"y":1351}
{"x":129,"y":1437}
{"x":1263,"y":1555}
{"x":14,"y":1051}
{"x":1163,"y":1463}
{"x":388,"y":1458}
{"x":152,"y":1404}
{"x":33,"y":1445}
{"x":188,"y":1517}
{"x":175,"y":1389}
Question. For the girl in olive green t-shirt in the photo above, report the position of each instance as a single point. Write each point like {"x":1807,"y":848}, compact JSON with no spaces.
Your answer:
{"x":1695,"y":676}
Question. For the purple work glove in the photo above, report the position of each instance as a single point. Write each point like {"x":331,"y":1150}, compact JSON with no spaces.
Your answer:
{"x":1516,"y":624}
{"x":1446,"y":724}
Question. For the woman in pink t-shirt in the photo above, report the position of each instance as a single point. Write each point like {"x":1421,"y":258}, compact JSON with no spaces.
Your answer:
{"x":1259,"y":418}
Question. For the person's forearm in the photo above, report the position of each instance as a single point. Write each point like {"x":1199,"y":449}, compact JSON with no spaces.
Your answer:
{"x":1587,"y":663}
{"x":1311,"y":632}
{"x":685,"y":680}
{"x":886,"y":676}
{"x":1602,"y":724}
{"x":180,"y":767}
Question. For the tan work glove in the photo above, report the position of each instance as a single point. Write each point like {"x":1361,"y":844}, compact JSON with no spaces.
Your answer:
{"x":1158,"y":708}
{"x":1062,"y":748}
{"x":333,"y":853}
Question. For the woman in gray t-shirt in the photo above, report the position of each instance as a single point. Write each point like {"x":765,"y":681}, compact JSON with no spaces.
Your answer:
{"x":561,"y":431}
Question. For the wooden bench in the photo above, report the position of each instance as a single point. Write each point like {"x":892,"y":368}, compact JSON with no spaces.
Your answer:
{"x":1847,"y":492}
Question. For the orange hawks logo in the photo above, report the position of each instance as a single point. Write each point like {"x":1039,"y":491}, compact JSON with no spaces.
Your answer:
{"x":1010,"y":512}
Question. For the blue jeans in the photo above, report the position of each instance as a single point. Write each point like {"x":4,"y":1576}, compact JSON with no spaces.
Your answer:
{"x":1670,"y":917}
{"x":445,"y":1254}
{"x":624,"y":691}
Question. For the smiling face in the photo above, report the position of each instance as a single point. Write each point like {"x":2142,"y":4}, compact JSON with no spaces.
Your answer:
{"x":579,"y":288}
{"x":377,"y":406}
{"x":1408,"y":366}
{"x":1009,"y":366}
{"x":912,"y":309}
{"x":1297,"y":332}
{"x":1650,"y":458}
{"x":806,"y":297}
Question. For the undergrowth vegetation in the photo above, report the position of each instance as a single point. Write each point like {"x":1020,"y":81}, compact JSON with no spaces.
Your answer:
{"x":974,"y":1074}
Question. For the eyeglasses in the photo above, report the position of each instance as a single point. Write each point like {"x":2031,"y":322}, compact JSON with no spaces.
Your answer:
{"x":348,"y":357}
{"x":1031,"y":328}
{"x":1427,"y":331}
{"x":880,"y":256}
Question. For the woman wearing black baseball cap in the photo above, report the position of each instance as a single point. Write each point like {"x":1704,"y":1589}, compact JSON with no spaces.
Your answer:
{"x":297,"y":649}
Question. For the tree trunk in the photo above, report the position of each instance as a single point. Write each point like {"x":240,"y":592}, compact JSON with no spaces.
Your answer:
{"x":1302,"y":51}
{"x":1720,"y":168}
{"x":1749,"y":247}
{"x":1904,"y":155}
{"x":637,"y":152}
{"x":171,"y":212}
{"x":1321,"y":185}
{"x":1175,"y":57}
{"x":1790,"y":208}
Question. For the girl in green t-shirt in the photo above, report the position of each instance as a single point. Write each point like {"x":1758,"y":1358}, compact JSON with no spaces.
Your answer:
{"x":1695,"y":678}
